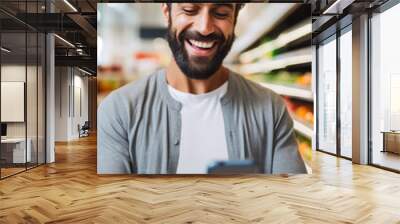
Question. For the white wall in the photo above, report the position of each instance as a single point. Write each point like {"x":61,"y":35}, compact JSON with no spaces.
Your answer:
{"x":79,"y":117}
{"x":69,"y":82}
{"x":61,"y":103}
{"x":17,"y":73}
{"x":12,"y":73}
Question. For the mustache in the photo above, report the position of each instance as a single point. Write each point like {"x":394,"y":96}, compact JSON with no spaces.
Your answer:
{"x":199,"y":37}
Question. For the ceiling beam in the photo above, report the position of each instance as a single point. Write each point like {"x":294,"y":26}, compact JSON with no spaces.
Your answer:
{"x":82,"y":61}
{"x":84,"y":24}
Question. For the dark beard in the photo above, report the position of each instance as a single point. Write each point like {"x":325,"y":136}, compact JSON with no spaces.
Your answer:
{"x":198,"y":67}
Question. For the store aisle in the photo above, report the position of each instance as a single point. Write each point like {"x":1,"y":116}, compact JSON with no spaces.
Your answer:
{"x":71,"y":191}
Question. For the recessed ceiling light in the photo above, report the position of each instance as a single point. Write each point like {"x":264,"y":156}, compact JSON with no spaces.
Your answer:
{"x":5,"y":50}
{"x":64,"y":40}
{"x":86,"y":72}
{"x":337,"y":7}
{"x":70,"y":5}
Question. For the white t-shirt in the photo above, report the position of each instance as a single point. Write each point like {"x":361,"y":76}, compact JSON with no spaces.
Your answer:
{"x":203,"y":134}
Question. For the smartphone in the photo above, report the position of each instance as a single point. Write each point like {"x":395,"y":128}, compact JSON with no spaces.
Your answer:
{"x":233,"y":167}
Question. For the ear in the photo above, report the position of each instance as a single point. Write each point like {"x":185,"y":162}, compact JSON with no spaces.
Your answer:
{"x":165,"y":11}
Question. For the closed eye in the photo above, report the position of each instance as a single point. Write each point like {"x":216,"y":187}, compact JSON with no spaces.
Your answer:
{"x":189,"y":11}
{"x":221,"y":15}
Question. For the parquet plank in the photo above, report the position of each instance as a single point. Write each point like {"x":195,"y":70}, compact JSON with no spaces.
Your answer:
{"x":70,"y":191}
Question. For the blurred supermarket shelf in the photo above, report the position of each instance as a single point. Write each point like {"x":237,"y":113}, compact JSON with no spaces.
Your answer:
{"x":301,"y":30}
{"x":303,"y":128}
{"x":297,"y":92}
{"x":286,"y":90}
{"x":281,"y":61}
{"x":275,"y":52}
{"x":262,"y":24}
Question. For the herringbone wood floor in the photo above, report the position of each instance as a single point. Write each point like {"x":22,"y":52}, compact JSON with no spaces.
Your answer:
{"x":69,"y":191}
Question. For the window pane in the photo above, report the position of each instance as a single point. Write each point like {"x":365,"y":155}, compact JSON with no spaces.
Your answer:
{"x":32,"y":88}
{"x":346,"y":94}
{"x":385,"y":86}
{"x":31,"y":97}
{"x":13,"y":86}
{"x":327,"y":97}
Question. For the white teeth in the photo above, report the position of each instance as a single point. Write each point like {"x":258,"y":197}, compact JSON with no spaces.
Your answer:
{"x":202,"y":44}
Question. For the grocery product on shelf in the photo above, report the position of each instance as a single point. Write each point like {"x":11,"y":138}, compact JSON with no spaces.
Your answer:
{"x":270,"y":47}
{"x":304,"y":147}
{"x":143,"y":63}
{"x":281,"y":61}
{"x":295,"y":79}
{"x":108,"y":79}
{"x":284,"y":60}
{"x":304,"y":80}
{"x":300,"y":111}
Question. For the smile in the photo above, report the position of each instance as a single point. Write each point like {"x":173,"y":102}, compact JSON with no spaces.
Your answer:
{"x":200,"y":48}
{"x":201,"y":44}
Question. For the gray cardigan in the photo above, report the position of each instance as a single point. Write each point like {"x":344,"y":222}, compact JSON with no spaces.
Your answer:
{"x":139,"y":128}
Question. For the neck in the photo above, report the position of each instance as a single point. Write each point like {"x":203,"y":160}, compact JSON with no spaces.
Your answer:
{"x":181,"y":82}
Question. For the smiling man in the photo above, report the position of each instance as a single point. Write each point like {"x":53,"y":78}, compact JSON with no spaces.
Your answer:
{"x":196,"y":111}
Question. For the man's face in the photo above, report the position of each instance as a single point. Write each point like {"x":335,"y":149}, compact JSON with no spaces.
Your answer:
{"x":200,"y":36}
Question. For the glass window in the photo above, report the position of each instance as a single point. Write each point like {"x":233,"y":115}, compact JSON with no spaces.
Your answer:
{"x":31,"y":97}
{"x":14,"y":148}
{"x":385,"y":89}
{"x":346,"y":94}
{"x":327,"y":96}
{"x":22,"y":91}
{"x":31,"y":84}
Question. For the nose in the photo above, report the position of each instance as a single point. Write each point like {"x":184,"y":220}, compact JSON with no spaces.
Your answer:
{"x":204,"y":24}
